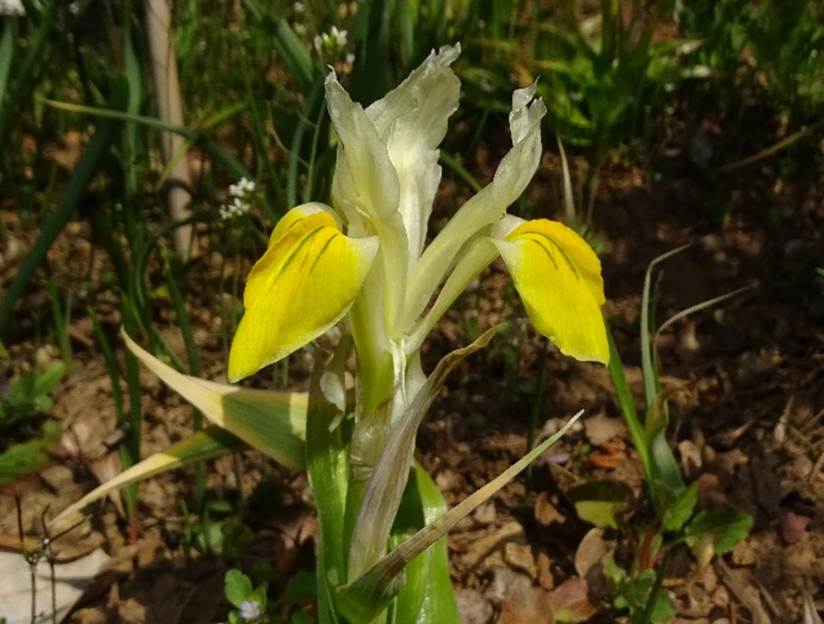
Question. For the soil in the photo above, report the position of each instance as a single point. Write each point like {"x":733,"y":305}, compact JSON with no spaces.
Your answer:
{"x":746,"y":378}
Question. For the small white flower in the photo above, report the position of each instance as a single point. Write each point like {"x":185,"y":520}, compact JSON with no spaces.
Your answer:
{"x":242,"y":193}
{"x":300,"y":29}
{"x":250,"y":610}
{"x":318,"y":42}
{"x":350,"y":58}
{"x":340,"y":36}
{"x":299,"y":7}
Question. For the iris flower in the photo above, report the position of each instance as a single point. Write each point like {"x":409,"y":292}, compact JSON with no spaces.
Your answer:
{"x":367,"y":255}
{"x":365,"y":261}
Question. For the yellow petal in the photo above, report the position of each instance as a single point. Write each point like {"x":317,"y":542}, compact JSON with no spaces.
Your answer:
{"x":305,"y":282}
{"x":559,"y":279}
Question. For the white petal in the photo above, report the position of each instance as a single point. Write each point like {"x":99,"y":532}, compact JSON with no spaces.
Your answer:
{"x":370,"y":184}
{"x":365,"y":187}
{"x":487,"y":206}
{"x":412,"y":121}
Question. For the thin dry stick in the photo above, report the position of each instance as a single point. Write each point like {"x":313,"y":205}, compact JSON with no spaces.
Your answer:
{"x":772,"y":150}
{"x":170,"y":110}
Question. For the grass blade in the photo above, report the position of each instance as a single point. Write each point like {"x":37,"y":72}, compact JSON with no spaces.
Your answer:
{"x":75,"y":189}
{"x":698,"y":307}
{"x":6,"y":55}
{"x":626,"y":402}
{"x":650,"y":374}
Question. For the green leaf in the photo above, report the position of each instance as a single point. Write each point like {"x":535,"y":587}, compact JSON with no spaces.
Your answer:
{"x":29,"y":457}
{"x":363,"y":599}
{"x":237,"y":587}
{"x":663,"y":610}
{"x":6,"y":54}
{"x":71,"y":197}
{"x":676,"y":515}
{"x":49,"y":377}
{"x":664,"y":463}
{"x":727,"y":527}
{"x":294,"y":55}
{"x":640,"y":440}
{"x":327,"y":465}
{"x":302,"y":587}
{"x":207,"y":444}
{"x":380,"y":503}
{"x":31,"y":390}
{"x":427,"y":597}
{"x":646,"y":599}
{"x":272,"y":422}
{"x":650,"y":372}
{"x":613,"y":572}
{"x":601,"y":502}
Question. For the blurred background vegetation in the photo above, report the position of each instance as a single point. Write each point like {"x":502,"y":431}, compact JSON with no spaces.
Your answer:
{"x":87,"y":238}
{"x":82,"y":125}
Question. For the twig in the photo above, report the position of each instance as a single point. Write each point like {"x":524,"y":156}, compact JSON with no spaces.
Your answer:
{"x":772,"y":149}
{"x":751,"y":600}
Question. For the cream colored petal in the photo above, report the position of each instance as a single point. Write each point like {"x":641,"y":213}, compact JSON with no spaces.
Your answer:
{"x":412,"y":120}
{"x":366,"y":189}
{"x":486,"y":207}
{"x":368,"y":181}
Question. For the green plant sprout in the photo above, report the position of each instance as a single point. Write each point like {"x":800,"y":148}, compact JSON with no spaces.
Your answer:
{"x":22,"y":406}
{"x":363,"y":266}
{"x":678,"y":519}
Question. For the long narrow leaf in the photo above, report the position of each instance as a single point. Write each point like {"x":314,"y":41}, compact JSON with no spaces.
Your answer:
{"x":626,"y":402}
{"x":327,"y":464}
{"x":569,"y":200}
{"x":427,"y":597}
{"x":87,"y":165}
{"x":6,"y":55}
{"x":647,"y":364}
{"x":26,"y":70}
{"x":698,"y":307}
{"x":196,"y":135}
{"x":388,"y":480}
{"x":294,"y":55}
{"x":363,"y":599}
{"x":272,"y":422}
{"x":207,"y":444}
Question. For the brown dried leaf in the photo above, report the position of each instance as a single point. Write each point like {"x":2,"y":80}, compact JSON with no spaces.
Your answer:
{"x":545,"y":512}
{"x":591,"y":551}
{"x":570,"y":602}
{"x":600,"y":428}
